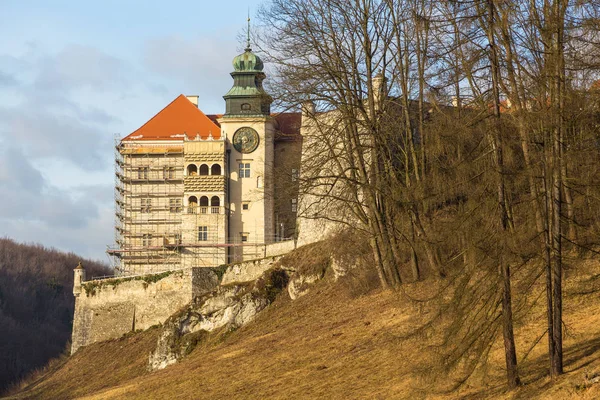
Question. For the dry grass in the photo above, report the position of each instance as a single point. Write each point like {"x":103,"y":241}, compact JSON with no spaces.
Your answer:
{"x":95,"y":368}
{"x":332,"y":344}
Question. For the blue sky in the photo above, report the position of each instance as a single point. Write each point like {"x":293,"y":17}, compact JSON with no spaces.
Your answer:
{"x":75,"y":74}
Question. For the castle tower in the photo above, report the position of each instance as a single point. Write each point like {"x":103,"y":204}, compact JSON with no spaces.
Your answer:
{"x":250,"y":129}
{"x":78,"y":279}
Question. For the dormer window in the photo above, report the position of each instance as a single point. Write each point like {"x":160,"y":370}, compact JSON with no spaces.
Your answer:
{"x":246,"y":107}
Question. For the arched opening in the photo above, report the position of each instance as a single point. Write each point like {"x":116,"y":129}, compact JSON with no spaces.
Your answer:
{"x":215,"y":169}
{"x":203,"y":204}
{"x":204,"y":169}
{"x":192,"y":170}
{"x":192,"y":204}
{"x":215,"y":202}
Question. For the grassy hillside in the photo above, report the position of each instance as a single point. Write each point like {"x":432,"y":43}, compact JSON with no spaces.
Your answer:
{"x":337,"y":343}
{"x":36,"y":306}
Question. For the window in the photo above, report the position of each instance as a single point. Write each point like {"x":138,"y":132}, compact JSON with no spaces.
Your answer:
{"x":244,"y":170}
{"x":202,"y":233}
{"x":192,"y":170}
{"x":203,"y":204}
{"x":244,"y":236}
{"x":246,"y":107}
{"x":175,"y":205}
{"x":294,"y":205}
{"x":146,"y":239}
{"x":215,"y":169}
{"x":142,"y":172}
{"x":294,"y":175}
{"x":192,"y":205}
{"x":245,"y":206}
{"x":169,"y":172}
{"x":215,"y":203}
{"x":204,"y":169}
{"x":146,"y":205}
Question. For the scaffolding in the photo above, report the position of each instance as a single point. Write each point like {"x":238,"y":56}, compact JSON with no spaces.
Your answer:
{"x":162,"y":222}
{"x":148,"y":193}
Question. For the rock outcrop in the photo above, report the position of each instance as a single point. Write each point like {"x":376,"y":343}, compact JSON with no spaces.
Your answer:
{"x":248,"y":271}
{"x":245,"y":290}
{"x":226,"y":308}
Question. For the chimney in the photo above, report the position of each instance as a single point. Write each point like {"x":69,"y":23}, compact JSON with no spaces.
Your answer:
{"x":193,"y":99}
{"x":308,"y":108}
{"x":308,"y":114}
{"x":379,"y":88}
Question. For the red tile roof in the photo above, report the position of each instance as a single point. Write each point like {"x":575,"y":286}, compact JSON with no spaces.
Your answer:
{"x":179,"y":117}
{"x":288,"y":123}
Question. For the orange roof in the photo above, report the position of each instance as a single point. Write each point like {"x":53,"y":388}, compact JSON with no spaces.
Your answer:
{"x":179,"y":117}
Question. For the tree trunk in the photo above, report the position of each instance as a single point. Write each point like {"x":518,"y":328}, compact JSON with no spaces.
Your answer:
{"x":510,"y":352}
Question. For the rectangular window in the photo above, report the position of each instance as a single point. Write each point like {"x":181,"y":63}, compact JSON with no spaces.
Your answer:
{"x":146,"y":240}
{"x":146,"y":205}
{"x":169,"y":172}
{"x":245,"y":206}
{"x":175,"y":205}
{"x":244,"y":236}
{"x":294,"y":205}
{"x":244,"y":170}
{"x":294,"y":175}
{"x":142,"y":172}
{"x":202,"y":233}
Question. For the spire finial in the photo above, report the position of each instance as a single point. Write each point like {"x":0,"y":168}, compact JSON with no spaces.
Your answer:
{"x":248,"y":32}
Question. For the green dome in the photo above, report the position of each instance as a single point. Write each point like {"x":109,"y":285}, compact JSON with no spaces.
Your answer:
{"x":247,"y":62}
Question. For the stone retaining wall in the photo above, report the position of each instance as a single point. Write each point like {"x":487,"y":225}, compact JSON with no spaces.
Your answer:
{"x":109,"y":308}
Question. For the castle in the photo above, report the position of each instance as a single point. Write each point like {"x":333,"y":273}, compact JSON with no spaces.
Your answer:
{"x":196,"y":190}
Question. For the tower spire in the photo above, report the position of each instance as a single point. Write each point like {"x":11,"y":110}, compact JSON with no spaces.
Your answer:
{"x":248,"y":33}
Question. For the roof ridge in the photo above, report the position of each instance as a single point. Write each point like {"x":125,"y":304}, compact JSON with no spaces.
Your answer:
{"x":155,"y":115}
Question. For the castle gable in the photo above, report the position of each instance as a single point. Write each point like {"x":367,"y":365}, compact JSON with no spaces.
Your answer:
{"x":179,"y":117}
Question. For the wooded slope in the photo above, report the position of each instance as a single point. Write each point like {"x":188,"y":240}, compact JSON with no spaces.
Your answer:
{"x":36,"y":305}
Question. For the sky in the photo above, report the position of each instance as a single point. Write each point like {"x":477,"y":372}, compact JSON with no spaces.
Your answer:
{"x":75,"y":75}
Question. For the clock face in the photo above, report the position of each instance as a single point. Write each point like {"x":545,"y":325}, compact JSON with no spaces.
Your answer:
{"x":245,"y":140}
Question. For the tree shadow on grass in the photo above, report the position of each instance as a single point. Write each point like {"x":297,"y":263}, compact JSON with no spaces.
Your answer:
{"x":535,"y":372}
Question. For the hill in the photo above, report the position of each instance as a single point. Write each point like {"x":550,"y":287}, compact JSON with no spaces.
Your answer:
{"x":343,"y":339}
{"x":36,"y":306}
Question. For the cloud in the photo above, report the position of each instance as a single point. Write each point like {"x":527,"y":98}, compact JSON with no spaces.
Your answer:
{"x":199,"y":64}
{"x":28,"y":197}
{"x":48,"y":134}
{"x":78,"y":219}
{"x":7,"y":80}
{"x":79,"y":66}
{"x":56,"y":116}
{"x":87,"y":241}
